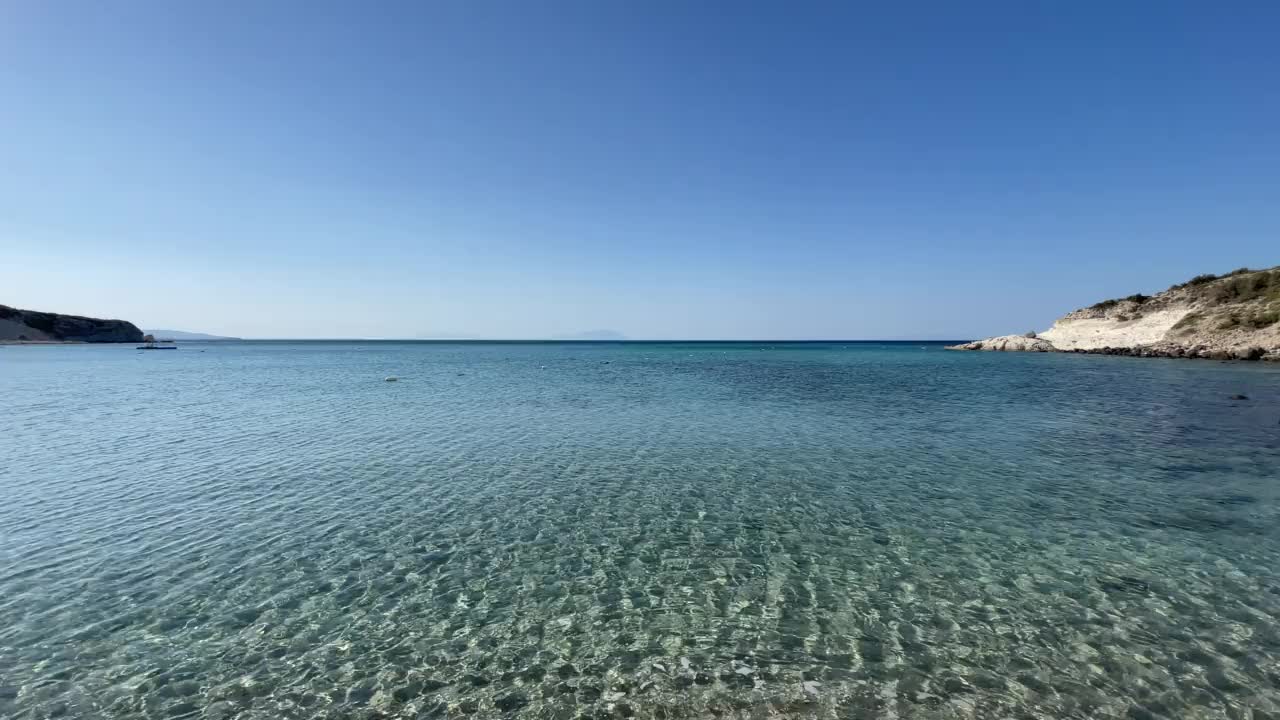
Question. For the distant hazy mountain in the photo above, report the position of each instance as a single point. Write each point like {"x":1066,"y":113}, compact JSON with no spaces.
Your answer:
{"x":445,"y":335}
{"x":593,"y":335}
{"x":183,"y":335}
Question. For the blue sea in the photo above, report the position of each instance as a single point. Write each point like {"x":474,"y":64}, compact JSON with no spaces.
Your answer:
{"x":650,"y":530}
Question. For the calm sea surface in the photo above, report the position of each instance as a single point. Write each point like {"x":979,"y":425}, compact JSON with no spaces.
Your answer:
{"x":270,"y":530}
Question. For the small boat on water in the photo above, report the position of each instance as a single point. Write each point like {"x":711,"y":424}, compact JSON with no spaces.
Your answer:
{"x":152,"y":344}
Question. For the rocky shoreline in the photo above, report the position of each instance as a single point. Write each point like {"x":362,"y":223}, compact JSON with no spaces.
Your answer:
{"x":1197,"y":352}
{"x":1230,"y":317}
{"x":1027,"y":343}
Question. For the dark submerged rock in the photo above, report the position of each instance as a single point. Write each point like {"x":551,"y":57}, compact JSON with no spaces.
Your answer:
{"x":511,"y":702}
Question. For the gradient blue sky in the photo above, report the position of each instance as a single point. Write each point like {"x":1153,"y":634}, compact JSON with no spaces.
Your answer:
{"x":664,"y":169}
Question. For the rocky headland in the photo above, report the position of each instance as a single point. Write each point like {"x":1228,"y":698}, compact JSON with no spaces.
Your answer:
{"x":32,"y":326}
{"x":1229,"y":317}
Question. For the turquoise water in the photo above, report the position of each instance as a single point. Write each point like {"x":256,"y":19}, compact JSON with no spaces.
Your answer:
{"x":270,"y":530}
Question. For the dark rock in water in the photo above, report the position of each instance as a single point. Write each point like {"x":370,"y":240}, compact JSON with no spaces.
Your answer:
{"x":1222,"y":679}
{"x":405,"y":693}
{"x":18,"y":324}
{"x":1238,"y":396}
{"x":434,"y":709}
{"x":1201,"y":521}
{"x":1125,"y":583}
{"x":1236,"y":500}
{"x":431,"y":685}
{"x":1251,"y":353}
{"x":511,"y":702}
{"x":871,"y":650}
{"x":435,"y":558}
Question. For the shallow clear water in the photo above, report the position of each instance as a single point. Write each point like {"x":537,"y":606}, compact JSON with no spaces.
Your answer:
{"x":270,"y":530}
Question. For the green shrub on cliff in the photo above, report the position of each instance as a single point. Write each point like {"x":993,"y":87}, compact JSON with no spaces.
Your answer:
{"x":1138,"y":298}
{"x":1198,"y":280}
{"x":1188,"y":322}
{"x":1266,"y":318}
{"x":1242,"y":288}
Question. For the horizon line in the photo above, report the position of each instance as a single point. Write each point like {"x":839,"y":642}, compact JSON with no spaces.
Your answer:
{"x":581,"y":341}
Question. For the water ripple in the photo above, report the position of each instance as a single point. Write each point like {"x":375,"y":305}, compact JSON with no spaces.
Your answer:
{"x":656,"y":531}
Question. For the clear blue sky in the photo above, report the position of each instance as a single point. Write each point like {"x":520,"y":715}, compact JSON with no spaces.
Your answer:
{"x":663,"y":169}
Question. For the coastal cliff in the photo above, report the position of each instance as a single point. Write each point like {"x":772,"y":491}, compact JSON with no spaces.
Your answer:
{"x":1233,"y":316}
{"x":34,"y":326}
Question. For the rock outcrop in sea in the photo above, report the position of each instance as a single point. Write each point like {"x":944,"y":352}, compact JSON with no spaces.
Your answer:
{"x":34,"y":326}
{"x":1230,"y":317}
{"x":1011,"y":343}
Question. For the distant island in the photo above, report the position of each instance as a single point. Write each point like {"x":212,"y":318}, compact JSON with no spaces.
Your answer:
{"x":184,"y":335}
{"x":33,"y":326}
{"x":1235,"y":316}
{"x":599,"y":335}
{"x":593,"y":335}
